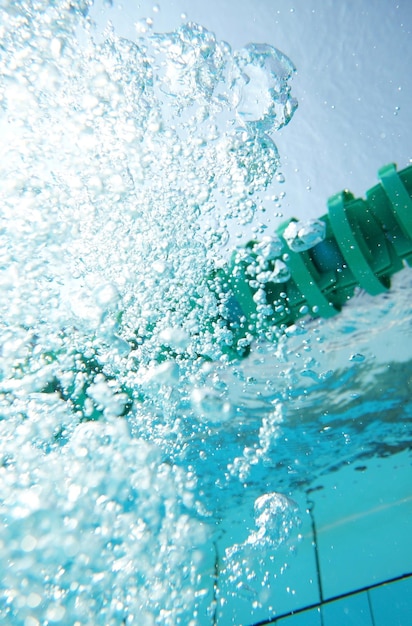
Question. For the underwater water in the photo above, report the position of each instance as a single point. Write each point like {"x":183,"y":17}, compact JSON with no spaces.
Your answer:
{"x":127,"y":432}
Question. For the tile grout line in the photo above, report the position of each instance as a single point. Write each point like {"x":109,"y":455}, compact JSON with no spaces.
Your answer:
{"x":368,"y":595}
{"x":311,"y":506}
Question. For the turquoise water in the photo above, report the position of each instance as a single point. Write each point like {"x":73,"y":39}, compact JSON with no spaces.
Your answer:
{"x":128,"y":436}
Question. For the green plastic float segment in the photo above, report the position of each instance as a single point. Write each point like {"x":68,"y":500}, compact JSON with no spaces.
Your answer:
{"x":366,"y":242}
{"x":398,"y":196}
{"x":351,"y":242}
{"x":304,"y":275}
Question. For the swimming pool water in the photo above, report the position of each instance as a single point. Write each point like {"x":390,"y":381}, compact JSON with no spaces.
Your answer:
{"x":145,"y":477}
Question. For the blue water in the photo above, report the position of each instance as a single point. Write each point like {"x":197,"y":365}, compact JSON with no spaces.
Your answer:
{"x":127,"y":435}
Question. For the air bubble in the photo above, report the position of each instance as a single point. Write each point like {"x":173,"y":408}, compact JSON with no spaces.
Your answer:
{"x":56,"y":46}
{"x":166,"y":373}
{"x":176,"y":338}
{"x":281,"y":272}
{"x":55,"y":614}
{"x":106,"y":295}
{"x":142,"y":27}
{"x":33,"y":601}
{"x":28,"y":543}
{"x":269,"y":248}
{"x":210,"y":406}
{"x":261,"y":100}
{"x":304,"y":235}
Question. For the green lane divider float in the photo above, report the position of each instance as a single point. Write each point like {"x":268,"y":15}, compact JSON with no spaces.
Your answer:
{"x":358,"y":243}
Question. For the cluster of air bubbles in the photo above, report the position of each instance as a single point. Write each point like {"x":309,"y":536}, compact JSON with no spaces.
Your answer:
{"x":276,"y":516}
{"x":122,"y":165}
{"x":265,"y":265}
{"x":83,"y":523}
{"x":268,"y":265}
{"x":268,"y":248}
{"x":164,"y":132}
{"x":264,"y":262}
{"x":230,"y":103}
{"x":263,"y":450}
{"x":276,"y":522}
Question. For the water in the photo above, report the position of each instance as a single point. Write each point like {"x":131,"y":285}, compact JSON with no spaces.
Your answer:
{"x":126,"y":432}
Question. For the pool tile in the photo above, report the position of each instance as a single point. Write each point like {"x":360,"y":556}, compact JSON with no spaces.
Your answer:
{"x":351,"y":611}
{"x":392,"y":604}
{"x":364,"y":524}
